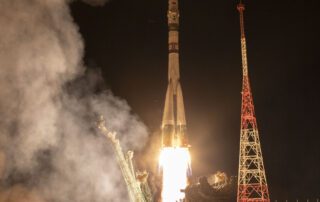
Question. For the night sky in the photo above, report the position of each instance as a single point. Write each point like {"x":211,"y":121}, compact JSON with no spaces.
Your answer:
{"x":127,"y":40}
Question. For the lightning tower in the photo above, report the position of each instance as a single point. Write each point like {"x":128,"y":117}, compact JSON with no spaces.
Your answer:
{"x":252,"y":182}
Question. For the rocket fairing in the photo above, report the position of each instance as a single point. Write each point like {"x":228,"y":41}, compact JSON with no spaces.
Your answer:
{"x":174,"y":122}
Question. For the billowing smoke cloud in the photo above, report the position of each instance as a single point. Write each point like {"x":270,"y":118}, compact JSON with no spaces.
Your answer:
{"x":50,"y":150}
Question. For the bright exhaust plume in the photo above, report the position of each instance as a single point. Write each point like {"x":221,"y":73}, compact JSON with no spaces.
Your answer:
{"x":175,"y":164}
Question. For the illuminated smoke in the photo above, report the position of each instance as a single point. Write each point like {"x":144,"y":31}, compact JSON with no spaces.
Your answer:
{"x":51,"y":151}
{"x":218,"y":180}
{"x":217,"y":177}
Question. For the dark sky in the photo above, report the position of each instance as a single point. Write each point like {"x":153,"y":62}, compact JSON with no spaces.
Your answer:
{"x":127,"y":39}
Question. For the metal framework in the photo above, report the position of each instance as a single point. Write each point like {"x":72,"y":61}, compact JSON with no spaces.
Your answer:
{"x":137,"y":185}
{"x":252,"y":183}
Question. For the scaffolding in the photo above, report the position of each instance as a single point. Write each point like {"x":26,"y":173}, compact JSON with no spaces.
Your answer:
{"x":137,"y":185}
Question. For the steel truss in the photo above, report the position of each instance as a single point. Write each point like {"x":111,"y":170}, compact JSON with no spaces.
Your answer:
{"x":252,"y":183}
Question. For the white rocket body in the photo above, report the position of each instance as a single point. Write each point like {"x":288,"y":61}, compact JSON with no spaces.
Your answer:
{"x":174,"y":121}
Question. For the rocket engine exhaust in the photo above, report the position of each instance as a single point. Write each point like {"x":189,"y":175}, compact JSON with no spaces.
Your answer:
{"x":175,"y":163}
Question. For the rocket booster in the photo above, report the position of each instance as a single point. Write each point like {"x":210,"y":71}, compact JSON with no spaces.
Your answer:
{"x":174,"y":121}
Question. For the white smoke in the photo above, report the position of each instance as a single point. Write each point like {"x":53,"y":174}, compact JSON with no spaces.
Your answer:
{"x":47,"y":108}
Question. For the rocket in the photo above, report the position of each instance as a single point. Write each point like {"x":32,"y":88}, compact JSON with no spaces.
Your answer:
{"x":174,"y":122}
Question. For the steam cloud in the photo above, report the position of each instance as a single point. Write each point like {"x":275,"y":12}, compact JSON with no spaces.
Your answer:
{"x":49,"y":150}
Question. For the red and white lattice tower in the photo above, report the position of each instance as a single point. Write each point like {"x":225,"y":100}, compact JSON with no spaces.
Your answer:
{"x":252,"y":182}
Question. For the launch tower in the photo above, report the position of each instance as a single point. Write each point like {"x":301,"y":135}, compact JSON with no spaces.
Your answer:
{"x":252,"y":182}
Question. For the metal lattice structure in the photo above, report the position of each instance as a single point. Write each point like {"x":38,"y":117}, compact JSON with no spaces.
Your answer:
{"x":137,"y":185}
{"x":252,"y":183}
